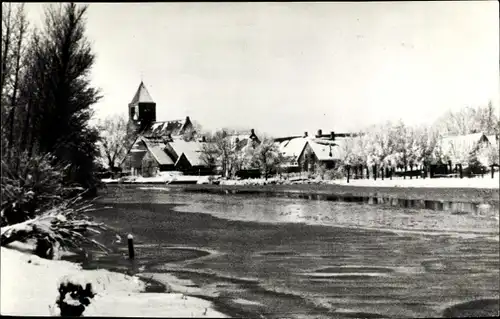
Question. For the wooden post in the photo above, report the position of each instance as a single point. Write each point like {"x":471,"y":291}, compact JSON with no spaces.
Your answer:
{"x":131,"y":253}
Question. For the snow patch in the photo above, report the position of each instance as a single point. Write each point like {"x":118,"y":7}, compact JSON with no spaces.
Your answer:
{"x":29,"y":287}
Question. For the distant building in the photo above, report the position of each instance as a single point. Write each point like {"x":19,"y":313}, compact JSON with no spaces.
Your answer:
{"x":457,"y":148}
{"x":306,"y":153}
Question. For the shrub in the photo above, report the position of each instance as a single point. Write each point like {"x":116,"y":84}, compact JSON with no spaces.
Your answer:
{"x":335,"y":173}
{"x":64,"y":225}
{"x":29,"y":185}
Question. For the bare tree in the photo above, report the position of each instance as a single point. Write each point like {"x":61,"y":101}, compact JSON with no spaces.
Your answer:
{"x":14,"y":38}
{"x":115,"y":139}
{"x":219,"y":151}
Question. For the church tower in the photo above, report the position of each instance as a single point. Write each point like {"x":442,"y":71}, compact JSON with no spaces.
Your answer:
{"x":142,"y":109}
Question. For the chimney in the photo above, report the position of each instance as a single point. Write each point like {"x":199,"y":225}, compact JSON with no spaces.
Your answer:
{"x":332,"y":136}
{"x":305,"y":134}
{"x":320,"y":132}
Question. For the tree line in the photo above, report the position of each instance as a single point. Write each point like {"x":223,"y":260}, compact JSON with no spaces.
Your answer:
{"x":48,"y":147}
{"x":394,"y":144}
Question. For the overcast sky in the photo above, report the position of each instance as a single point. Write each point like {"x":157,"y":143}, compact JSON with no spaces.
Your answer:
{"x":286,"y":68}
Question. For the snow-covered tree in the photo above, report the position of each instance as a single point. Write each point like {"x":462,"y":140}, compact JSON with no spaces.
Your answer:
{"x":268,"y":157}
{"x":115,"y":140}
{"x":489,"y":154}
{"x":469,"y":120}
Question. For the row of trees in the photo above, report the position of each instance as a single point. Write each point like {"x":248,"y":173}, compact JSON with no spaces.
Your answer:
{"x":46,"y":91}
{"x":397,"y":145}
{"x":48,"y":147}
{"x":223,"y":151}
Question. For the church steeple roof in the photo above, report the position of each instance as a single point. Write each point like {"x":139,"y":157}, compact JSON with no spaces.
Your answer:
{"x":142,"y":95}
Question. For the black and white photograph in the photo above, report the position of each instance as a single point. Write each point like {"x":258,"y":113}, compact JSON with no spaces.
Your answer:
{"x":274,"y":160}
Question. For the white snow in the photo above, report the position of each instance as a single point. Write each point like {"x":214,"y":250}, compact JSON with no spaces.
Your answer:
{"x":163,"y":177}
{"x":110,"y":180}
{"x":29,"y":287}
{"x":486,"y":182}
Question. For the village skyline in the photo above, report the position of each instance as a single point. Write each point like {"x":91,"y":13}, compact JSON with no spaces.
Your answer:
{"x":286,"y":68}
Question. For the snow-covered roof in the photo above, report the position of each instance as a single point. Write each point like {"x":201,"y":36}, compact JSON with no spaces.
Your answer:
{"x":162,"y":128}
{"x":157,"y":150}
{"x":339,"y":148}
{"x":142,"y":95}
{"x":461,"y":142}
{"x":492,"y":138}
{"x":191,"y":150}
{"x":293,"y":147}
{"x":322,"y":151}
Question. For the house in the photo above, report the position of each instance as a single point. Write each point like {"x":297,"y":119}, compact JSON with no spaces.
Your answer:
{"x":146,"y":157}
{"x":305,"y":153}
{"x":242,"y":140}
{"x":459,"y":148}
{"x":292,"y":149}
{"x":188,"y":156}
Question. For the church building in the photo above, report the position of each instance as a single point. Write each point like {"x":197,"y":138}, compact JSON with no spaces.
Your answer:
{"x":160,"y":145}
{"x":168,"y":145}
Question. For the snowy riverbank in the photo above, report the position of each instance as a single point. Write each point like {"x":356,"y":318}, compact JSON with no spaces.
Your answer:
{"x":482,"y":183}
{"x":29,"y":287}
{"x":486,"y":182}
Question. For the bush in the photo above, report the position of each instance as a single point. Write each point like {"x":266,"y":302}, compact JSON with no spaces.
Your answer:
{"x":30,"y":185}
{"x":335,"y":173}
{"x":64,"y":226}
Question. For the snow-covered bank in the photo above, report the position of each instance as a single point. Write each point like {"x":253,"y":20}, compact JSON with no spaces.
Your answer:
{"x":29,"y":287}
{"x":161,"y":178}
{"x":486,"y":182}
